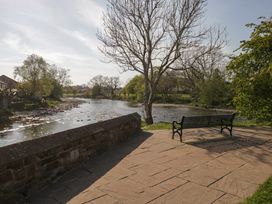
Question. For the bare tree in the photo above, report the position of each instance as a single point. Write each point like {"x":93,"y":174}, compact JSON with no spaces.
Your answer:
{"x":113,"y":83}
{"x":149,"y":36}
{"x":107,"y":86}
{"x":199,"y":62}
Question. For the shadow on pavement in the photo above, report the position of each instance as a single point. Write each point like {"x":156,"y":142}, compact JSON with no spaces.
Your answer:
{"x":87,"y":173}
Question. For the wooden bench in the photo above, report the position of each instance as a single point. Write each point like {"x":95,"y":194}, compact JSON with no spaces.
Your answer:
{"x":224,"y":121}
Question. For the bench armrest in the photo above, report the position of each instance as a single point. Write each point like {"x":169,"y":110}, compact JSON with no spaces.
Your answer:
{"x":175,"y":124}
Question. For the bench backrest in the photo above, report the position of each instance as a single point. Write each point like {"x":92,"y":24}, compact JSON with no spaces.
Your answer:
{"x":205,"y":121}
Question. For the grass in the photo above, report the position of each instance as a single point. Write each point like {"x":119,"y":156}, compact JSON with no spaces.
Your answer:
{"x":251,"y":123}
{"x":262,"y":195}
{"x":244,"y":123}
{"x":157,"y":126}
{"x":52,"y":103}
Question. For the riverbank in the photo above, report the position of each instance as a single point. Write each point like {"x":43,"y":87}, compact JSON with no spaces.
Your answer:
{"x":170,"y":105}
{"x":53,"y":108}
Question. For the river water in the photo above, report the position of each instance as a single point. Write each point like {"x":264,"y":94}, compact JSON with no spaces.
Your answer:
{"x":86,"y":113}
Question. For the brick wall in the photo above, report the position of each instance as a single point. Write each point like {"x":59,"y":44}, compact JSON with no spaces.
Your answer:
{"x":34,"y":163}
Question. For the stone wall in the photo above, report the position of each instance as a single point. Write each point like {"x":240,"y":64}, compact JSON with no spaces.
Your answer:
{"x":32,"y":164}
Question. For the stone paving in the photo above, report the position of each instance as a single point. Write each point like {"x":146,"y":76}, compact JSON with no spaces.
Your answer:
{"x":153,"y":168}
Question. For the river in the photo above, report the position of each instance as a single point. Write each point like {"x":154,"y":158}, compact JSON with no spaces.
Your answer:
{"x":90,"y":111}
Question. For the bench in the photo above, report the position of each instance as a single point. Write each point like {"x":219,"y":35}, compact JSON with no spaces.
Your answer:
{"x":224,"y":121}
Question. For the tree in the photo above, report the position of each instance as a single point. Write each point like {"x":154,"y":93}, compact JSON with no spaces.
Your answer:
{"x":215,"y":91}
{"x":104,"y":86}
{"x":198,"y":64}
{"x":135,"y":87}
{"x":144,"y":35}
{"x":167,"y":85}
{"x":59,"y":78}
{"x":33,"y":74}
{"x":40,"y":79}
{"x":112,"y":83}
{"x":251,"y":72}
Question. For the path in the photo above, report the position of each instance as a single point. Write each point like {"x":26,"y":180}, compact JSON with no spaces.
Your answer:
{"x":152,"y":168}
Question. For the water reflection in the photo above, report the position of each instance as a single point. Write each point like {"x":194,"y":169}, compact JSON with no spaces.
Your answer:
{"x":89,"y":112}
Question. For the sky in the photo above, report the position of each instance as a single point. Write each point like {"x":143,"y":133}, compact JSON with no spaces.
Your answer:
{"x":63,"y":32}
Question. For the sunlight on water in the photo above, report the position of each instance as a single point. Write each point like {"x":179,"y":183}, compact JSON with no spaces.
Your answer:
{"x":87,"y":113}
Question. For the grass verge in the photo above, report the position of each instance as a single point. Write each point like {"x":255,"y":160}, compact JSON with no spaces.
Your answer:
{"x":157,"y":126}
{"x":244,"y":123}
{"x":262,"y":195}
{"x":251,"y":123}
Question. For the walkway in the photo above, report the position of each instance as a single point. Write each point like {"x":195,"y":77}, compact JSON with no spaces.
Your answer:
{"x":152,"y":168}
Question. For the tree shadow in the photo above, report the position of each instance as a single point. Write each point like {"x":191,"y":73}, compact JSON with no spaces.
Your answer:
{"x":86,"y":173}
{"x":241,"y":139}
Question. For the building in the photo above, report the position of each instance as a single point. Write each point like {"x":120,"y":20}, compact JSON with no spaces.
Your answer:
{"x":3,"y":85}
{"x":9,"y":86}
{"x":7,"y":83}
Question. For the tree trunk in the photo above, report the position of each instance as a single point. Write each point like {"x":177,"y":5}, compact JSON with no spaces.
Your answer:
{"x":148,"y":101}
{"x":148,"y":113}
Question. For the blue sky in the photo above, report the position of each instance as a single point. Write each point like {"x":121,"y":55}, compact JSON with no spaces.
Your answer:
{"x":64,"y":32}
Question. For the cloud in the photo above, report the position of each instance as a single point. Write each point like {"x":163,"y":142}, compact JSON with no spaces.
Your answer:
{"x":85,"y":39}
{"x":62,"y":32}
{"x":15,"y":42}
{"x":90,"y":12}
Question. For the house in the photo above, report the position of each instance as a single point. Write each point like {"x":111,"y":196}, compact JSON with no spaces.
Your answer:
{"x":3,"y":85}
{"x":7,"y":83}
{"x":8,"y":86}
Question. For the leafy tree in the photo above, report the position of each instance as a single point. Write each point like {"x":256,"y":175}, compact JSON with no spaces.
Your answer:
{"x":59,"y":78}
{"x":215,"y":91}
{"x":135,"y":87}
{"x":33,"y":75}
{"x":251,"y":72}
{"x":40,"y":79}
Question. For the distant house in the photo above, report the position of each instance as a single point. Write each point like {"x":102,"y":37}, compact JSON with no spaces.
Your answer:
{"x":7,"y":83}
{"x":3,"y":85}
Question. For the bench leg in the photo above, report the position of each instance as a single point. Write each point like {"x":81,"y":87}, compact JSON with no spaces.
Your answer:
{"x":180,"y":135}
{"x":230,"y":130}
{"x":179,"y":131}
{"x":173,"y":133}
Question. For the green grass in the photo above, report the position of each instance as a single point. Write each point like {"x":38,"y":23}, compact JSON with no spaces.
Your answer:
{"x":263,"y":195}
{"x":251,"y":123}
{"x":244,"y":123}
{"x":157,"y":126}
{"x":51,"y":103}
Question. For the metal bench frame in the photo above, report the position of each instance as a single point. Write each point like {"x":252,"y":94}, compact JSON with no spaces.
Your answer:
{"x":177,"y":127}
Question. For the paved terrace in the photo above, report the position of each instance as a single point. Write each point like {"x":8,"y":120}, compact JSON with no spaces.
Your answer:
{"x":152,"y":168}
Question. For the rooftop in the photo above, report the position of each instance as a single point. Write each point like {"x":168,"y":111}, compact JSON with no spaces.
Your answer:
{"x":11,"y":83}
{"x":153,"y":168}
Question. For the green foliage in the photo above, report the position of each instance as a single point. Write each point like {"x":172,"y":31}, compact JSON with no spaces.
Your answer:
{"x":262,"y":195}
{"x":214,"y":91}
{"x":96,"y":91}
{"x":33,"y":74}
{"x":104,"y":87}
{"x":251,"y":72}
{"x":41,"y":80}
{"x":173,"y":98}
{"x":134,"y":90}
{"x":252,"y":123}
